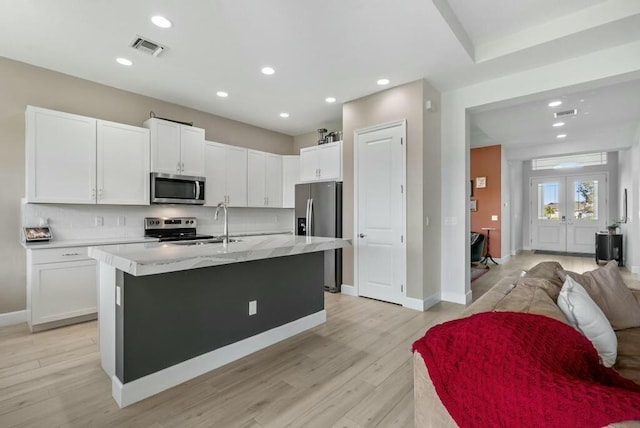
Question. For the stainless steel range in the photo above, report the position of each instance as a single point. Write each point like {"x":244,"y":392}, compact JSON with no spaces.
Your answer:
{"x":172,"y":229}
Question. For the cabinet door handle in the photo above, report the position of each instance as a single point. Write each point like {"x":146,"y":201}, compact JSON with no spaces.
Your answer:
{"x":70,"y":254}
{"x":182,"y":167}
{"x":178,"y":167}
{"x":93,"y":193}
{"x":100,"y":194}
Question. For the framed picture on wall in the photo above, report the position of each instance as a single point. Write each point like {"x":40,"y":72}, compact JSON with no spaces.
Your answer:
{"x":473,"y":205}
{"x":481,"y":182}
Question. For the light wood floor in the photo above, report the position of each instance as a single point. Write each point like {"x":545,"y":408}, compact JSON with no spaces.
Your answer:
{"x":527,"y":259}
{"x":353,"y":371}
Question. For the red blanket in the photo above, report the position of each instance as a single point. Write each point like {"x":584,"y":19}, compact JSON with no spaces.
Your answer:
{"x":522,"y":370}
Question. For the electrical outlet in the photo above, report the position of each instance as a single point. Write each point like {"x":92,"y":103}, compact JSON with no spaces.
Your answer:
{"x":99,"y":221}
{"x":122,"y":220}
{"x":253,"y":307}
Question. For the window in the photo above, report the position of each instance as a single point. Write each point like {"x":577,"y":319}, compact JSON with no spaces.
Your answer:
{"x":572,"y":161}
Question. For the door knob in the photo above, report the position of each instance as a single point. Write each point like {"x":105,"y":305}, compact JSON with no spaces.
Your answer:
{"x":362,"y":235}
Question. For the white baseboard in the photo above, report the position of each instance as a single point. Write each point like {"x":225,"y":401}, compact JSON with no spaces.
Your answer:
{"x":502,"y":260}
{"x":634,"y":269}
{"x":11,"y":318}
{"x":459,"y":298}
{"x":152,"y":384}
{"x":349,"y":290}
{"x":421,"y":304}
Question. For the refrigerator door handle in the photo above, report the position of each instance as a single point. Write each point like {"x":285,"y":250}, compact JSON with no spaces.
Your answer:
{"x":307,"y":220}
{"x":310,"y":223}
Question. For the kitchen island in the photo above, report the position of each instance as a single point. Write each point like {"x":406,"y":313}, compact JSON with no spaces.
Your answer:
{"x":169,"y":312}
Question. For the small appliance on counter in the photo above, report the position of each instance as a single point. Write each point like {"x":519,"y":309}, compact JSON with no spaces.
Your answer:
{"x":37,"y":234}
{"x":172,"y":229}
{"x":177,"y":189}
{"x":318,"y":212}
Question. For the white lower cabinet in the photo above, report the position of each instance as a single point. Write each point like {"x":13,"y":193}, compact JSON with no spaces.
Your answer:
{"x":61,"y":287}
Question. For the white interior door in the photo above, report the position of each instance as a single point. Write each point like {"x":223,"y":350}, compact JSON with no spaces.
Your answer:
{"x":567,"y":211}
{"x":380,"y":218}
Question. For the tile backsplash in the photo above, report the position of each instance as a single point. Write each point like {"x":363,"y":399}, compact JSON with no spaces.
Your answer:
{"x":69,"y":222}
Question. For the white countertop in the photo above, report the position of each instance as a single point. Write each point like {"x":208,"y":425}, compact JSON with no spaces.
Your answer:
{"x":85,"y":242}
{"x":153,"y":258}
{"x":115,"y":241}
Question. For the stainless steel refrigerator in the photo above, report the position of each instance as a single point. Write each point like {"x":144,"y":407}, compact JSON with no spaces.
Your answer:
{"x":319,"y":213}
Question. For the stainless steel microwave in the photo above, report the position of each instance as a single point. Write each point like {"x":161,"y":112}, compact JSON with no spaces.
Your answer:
{"x":176,"y":189}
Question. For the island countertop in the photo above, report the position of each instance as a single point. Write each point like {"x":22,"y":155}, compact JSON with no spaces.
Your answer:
{"x":162,"y":257}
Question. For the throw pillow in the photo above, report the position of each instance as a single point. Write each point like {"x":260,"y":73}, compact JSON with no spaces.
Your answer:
{"x":586,"y":317}
{"x":546,"y":270}
{"x":607,"y":288}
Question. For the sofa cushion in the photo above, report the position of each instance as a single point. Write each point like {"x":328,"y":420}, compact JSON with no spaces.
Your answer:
{"x":628,"y":362}
{"x":513,"y":294}
{"x":583,"y":314}
{"x":607,"y":288}
{"x":546,"y":270}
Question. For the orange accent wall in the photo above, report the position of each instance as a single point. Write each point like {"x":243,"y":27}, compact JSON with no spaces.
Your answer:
{"x":486,"y":162}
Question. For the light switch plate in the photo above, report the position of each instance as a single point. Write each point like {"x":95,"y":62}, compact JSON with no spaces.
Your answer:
{"x":494,"y":218}
{"x":253,"y":307}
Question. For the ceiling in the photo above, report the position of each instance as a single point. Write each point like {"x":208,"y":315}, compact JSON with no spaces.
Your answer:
{"x":608,"y":114}
{"x":336,"y":48}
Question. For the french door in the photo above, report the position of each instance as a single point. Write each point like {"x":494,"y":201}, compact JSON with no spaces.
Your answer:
{"x":567,"y":211}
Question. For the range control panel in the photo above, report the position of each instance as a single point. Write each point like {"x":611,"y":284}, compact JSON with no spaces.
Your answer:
{"x":169,"y":222}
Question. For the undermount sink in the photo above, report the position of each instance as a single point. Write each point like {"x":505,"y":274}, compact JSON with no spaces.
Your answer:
{"x":205,"y":241}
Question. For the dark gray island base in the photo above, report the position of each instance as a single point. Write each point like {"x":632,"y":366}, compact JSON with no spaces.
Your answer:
{"x":169,"y":313}
{"x":169,"y":318}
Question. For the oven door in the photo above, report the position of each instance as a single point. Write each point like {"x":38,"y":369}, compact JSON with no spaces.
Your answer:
{"x":177,"y":189}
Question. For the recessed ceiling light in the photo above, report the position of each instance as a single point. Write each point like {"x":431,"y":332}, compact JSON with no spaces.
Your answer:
{"x":558,"y":124}
{"x":124,"y":61}
{"x":268,"y":71}
{"x":561,"y":136}
{"x":161,"y":21}
{"x":284,"y":115}
{"x":222,"y":94}
{"x":555,"y":103}
{"x":383,"y":82}
{"x":330,"y":99}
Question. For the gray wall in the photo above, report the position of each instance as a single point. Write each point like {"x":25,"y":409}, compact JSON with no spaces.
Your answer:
{"x":423,"y":177}
{"x":22,"y":84}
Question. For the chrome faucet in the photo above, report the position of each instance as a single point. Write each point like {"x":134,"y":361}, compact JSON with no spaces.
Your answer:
{"x":226,"y":221}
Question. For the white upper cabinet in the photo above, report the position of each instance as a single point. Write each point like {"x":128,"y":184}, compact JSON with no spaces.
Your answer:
{"x":290,"y":177}
{"x":192,"y":150}
{"x":80,"y":160}
{"x":236,"y":163}
{"x":273,"y":180}
{"x":264,"y":179}
{"x":226,"y":174}
{"x":175,"y":148}
{"x":60,"y":157}
{"x":321,"y":163}
{"x":123,"y":164}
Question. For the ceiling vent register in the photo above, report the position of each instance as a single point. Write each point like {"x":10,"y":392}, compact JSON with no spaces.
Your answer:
{"x":565,"y":113}
{"x":147,"y":46}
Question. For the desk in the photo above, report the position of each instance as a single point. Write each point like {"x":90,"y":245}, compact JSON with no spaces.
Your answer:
{"x":609,"y":247}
